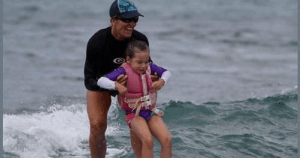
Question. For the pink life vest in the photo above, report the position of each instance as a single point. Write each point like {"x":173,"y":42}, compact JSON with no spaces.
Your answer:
{"x":139,"y":91}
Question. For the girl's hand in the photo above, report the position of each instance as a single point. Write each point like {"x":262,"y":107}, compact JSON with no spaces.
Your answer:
{"x":160,"y":113}
{"x":121,"y":89}
{"x":157,"y":85}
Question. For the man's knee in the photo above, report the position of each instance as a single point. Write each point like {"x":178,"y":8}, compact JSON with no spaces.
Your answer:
{"x":98,"y":104}
{"x":98,"y":127}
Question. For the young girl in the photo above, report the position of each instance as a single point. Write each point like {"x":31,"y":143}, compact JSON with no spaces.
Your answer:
{"x":138,"y":98}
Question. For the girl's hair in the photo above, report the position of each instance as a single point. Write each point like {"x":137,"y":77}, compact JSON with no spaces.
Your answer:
{"x":141,"y":45}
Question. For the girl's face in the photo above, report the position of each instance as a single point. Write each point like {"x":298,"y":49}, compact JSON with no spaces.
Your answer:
{"x":140,"y":61}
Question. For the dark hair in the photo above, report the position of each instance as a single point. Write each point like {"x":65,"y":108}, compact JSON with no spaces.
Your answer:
{"x":141,"y":45}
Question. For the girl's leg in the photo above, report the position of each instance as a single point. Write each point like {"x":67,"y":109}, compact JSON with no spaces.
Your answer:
{"x":136,"y":144}
{"x":160,"y":131}
{"x":141,"y":130}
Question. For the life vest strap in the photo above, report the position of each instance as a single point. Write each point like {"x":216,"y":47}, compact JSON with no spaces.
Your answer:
{"x":138,"y":103}
{"x":142,"y":99}
{"x":146,"y":104}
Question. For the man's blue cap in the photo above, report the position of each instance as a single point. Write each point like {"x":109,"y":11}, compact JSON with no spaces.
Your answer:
{"x":124,"y":8}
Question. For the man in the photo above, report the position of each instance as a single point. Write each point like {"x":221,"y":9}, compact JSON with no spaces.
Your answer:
{"x":106,"y":52}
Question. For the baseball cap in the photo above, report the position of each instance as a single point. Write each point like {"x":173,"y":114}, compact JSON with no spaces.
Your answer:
{"x":124,"y":8}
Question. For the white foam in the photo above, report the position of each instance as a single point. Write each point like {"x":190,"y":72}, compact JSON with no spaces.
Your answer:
{"x":112,"y":152}
{"x":290,"y":90}
{"x":58,"y":131}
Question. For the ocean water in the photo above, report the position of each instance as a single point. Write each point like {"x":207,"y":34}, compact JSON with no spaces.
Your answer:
{"x":232,"y":93}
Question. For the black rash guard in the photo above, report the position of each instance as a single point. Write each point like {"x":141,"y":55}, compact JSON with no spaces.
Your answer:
{"x":104,"y":54}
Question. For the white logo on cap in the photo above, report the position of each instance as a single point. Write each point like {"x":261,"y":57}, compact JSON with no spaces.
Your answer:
{"x":119,"y":60}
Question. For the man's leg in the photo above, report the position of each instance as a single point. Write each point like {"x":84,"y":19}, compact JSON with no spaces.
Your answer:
{"x":98,"y":104}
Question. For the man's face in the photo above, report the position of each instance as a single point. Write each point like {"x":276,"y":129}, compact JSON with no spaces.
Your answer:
{"x":123,"y":28}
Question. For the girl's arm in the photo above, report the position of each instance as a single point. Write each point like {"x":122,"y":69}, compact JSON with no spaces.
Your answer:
{"x":160,"y":71}
{"x":163,"y":73}
{"x":108,"y":81}
{"x":165,"y":76}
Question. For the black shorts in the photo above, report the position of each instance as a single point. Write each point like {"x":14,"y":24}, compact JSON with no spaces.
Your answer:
{"x":112,"y":92}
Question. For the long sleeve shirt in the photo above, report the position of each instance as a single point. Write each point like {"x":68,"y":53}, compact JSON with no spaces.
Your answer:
{"x":107,"y":81}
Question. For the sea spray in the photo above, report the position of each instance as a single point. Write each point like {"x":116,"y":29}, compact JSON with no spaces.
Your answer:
{"x":58,"y":131}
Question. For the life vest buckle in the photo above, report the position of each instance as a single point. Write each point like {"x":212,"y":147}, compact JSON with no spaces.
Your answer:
{"x":145,"y":98}
{"x":146,"y":104}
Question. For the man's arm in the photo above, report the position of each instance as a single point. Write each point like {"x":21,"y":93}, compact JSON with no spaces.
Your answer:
{"x":91,"y":67}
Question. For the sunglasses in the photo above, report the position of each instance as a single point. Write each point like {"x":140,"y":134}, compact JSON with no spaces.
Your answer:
{"x":125,"y":20}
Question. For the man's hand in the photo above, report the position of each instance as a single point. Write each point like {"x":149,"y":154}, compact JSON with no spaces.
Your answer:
{"x":122,"y":79}
{"x":154,"y":77}
{"x":157,"y":85}
{"x":120,"y":88}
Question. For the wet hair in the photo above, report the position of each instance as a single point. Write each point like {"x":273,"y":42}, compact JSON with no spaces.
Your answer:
{"x":141,"y":45}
